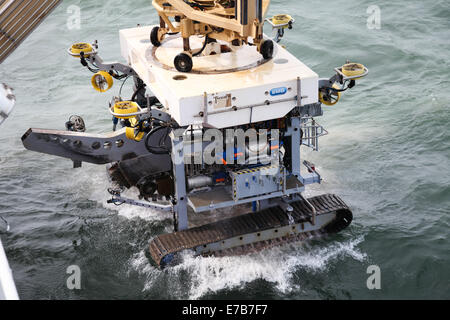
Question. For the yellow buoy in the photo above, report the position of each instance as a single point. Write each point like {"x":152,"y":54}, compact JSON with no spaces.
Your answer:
{"x":102,"y":81}
{"x":353,"y":69}
{"x":125,"y":108}
{"x":77,"y":48}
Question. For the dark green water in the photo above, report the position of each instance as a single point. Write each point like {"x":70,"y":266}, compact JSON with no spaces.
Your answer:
{"x":387,"y":155}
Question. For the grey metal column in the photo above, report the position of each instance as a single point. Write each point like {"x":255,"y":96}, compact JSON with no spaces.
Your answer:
{"x":180,"y":180}
{"x":296,"y":135}
{"x":295,"y":146}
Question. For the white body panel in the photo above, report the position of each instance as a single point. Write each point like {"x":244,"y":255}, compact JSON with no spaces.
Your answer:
{"x":230,"y":93}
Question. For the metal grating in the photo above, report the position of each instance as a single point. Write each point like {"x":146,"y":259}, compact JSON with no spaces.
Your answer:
{"x":18,"y":18}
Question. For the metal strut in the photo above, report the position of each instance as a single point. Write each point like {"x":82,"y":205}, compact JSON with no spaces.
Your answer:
{"x":313,"y":209}
{"x":118,"y":200}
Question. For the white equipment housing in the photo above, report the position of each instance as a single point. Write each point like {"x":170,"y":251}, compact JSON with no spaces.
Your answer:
{"x":222,"y":90}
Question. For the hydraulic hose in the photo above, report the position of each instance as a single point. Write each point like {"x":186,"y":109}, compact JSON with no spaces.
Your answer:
{"x":159,"y":149}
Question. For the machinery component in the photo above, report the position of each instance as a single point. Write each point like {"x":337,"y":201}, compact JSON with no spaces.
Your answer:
{"x":351,"y":71}
{"x":77,"y":48}
{"x":254,"y":231}
{"x":150,"y":167}
{"x":199,"y":182}
{"x":162,"y":147}
{"x":230,"y":100}
{"x":310,"y":166}
{"x":155,"y":37}
{"x":311,"y":132}
{"x":266,"y":49}
{"x":91,"y":148}
{"x":76,"y":124}
{"x":311,"y":110}
{"x":134,"y":134}
{"x":102,"y":81}
{"x":147,"y":187}
{"x":354,"y":70}
{"x":231,"y":21}
{"x":224,"y":137}
{"x":183,"y":62}
{"x":279,"y":23}
{"x":7,"y":101}
{"x":330,"y":95}
{"x":117,"y":199}
{"x":258,"y":181}
{"x":98,"y":149}
{"x":345,"y":78}
{"x":154,"y":185}
{"x":282,"y":21}
{"x":126,"y":109}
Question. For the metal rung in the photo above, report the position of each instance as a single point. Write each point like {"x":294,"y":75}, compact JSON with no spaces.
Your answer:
{"x":312,"y":131}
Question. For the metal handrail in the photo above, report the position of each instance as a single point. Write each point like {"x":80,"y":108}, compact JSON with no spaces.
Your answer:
{"x":312,"y":131}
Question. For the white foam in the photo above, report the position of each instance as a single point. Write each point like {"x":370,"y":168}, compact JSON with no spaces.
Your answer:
{"x":96,"y":190}
{"x":198,"y":276}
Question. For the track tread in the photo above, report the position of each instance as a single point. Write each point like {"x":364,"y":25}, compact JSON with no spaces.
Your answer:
{"x":166,"y":244}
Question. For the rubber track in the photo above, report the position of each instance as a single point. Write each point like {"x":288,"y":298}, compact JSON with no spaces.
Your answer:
{"x":166,"y":244}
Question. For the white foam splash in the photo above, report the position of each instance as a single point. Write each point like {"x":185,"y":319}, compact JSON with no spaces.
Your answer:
{"x":96,"y":190}
{"x":198,"y":276}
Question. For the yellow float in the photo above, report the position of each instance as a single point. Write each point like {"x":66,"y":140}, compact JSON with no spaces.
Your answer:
{"x":102,"y":81}
{"x":353,"y":70}
{"x":125,"y":109}
{"x":77,"y":48}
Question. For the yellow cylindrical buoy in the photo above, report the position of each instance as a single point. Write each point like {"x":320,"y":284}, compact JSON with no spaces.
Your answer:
{"x":102,"y":81}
